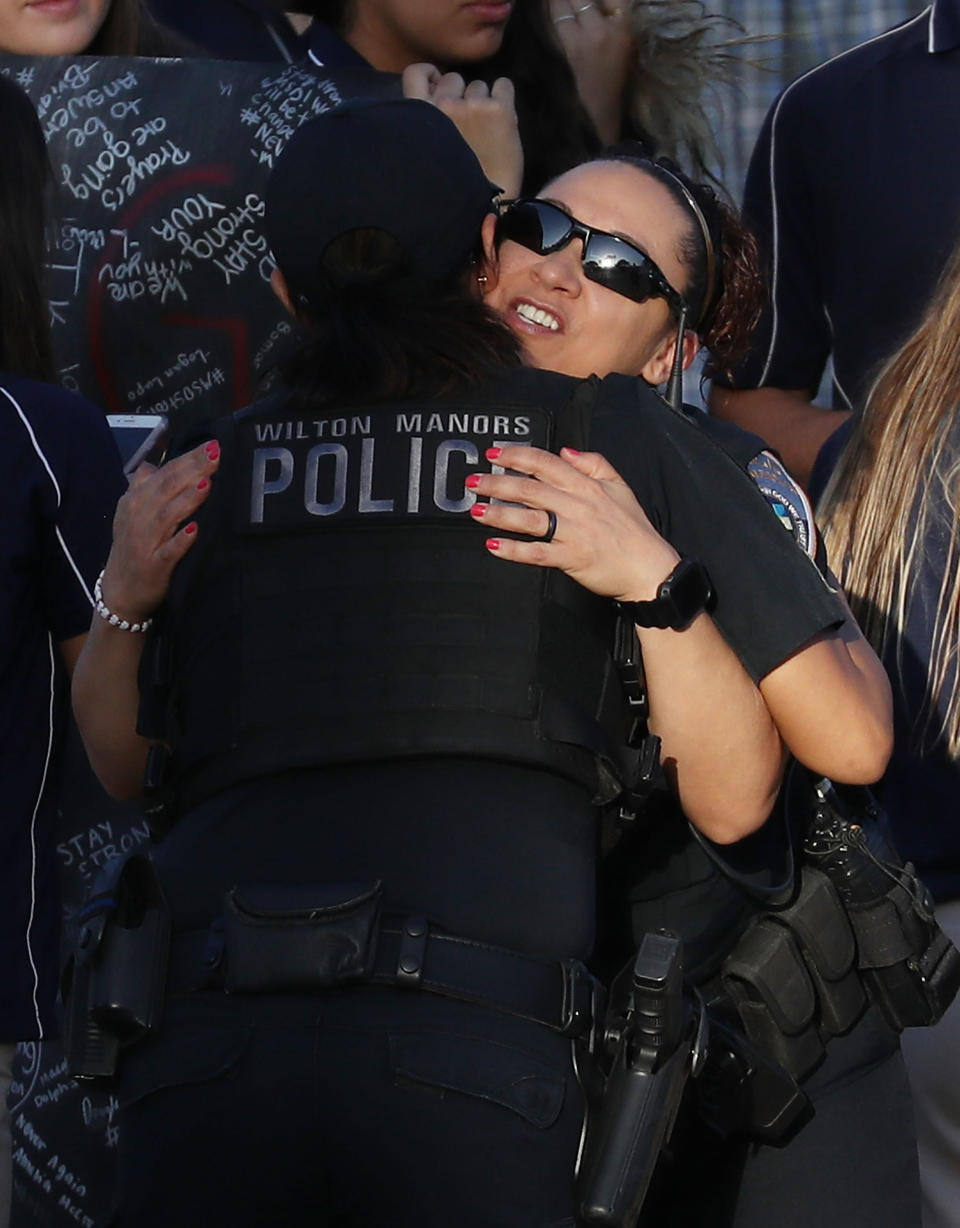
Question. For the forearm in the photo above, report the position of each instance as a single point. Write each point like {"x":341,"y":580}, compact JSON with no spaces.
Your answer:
{"x":785,"y":419}
{"x":720,"y":747}
{"x":833,"y":706}
{"x":152,"y":531}
{"x":105,"y":702}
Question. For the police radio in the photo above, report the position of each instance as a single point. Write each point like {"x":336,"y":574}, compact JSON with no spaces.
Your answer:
{"x":910,"y":968}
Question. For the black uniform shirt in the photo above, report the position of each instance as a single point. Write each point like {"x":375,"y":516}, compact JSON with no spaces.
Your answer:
{"x":771,"y":598}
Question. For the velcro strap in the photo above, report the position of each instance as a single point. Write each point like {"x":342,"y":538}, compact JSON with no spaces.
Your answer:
{"x":882,"y":940}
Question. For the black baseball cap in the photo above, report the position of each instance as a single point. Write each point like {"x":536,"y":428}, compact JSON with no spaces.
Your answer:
{"x":397,"y":165}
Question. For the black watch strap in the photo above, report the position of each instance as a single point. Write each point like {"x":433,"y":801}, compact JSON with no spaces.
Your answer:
{"x":680,"y":598}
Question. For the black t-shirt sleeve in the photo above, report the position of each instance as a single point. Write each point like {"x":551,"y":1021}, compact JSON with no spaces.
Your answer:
{"x":770,"y":597}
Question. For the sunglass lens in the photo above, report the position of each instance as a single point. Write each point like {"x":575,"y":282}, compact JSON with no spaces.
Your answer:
{"x":535,"y":225}
{"x":521,"y":224}
{"x":614,"y":264}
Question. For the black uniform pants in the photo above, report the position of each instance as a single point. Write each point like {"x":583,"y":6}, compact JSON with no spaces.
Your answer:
{"x":365,"y":1107}
{"x":854,"y":1163}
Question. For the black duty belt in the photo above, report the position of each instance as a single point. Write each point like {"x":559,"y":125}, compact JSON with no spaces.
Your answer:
{"x":409,"y":954}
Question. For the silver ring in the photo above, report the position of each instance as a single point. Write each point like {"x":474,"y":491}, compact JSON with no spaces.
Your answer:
{"x":565,"y":17}
{"x":551,"y":527}
{"x":585,"y":7}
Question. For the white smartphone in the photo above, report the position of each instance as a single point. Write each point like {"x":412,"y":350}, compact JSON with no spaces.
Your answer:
{"x":140,"y":437}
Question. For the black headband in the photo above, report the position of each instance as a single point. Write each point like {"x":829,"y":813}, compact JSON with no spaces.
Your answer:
{"x":707,"y":239}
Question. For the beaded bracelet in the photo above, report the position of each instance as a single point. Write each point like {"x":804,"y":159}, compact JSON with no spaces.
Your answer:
{"x":114,"y":619}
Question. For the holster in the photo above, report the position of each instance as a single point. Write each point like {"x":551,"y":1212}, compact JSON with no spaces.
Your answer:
{"x":114,"y":981}
{"x":651,"y":1039}
{"x":283,"y":936}
{"x":742,"y":1092}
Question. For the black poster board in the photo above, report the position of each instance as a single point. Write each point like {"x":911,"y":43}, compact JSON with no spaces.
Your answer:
{"x":159,"y":274}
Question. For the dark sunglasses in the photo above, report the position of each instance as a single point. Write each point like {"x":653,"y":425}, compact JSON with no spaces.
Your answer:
{"x":608,"y":260}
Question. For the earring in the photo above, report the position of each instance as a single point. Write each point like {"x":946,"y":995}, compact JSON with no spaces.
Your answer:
{"x":481,"y":279}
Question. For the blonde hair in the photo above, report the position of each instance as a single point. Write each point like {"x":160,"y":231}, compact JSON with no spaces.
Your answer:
{"x":680,"y":53}
{"x":898,"y":482}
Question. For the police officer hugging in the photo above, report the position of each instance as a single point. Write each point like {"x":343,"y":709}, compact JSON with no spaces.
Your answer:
{"x":385,"y":746}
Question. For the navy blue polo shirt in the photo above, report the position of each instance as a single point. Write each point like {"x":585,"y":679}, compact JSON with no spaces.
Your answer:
{"x":854,"y":192}
{"x":233,"y":29}
{"x":328,"y":50}
{"x":60,"y":479}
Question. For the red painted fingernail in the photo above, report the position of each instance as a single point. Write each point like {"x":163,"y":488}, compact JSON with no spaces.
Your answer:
{"x":473,"y":481}
{"x":572,"y":451}
{"x":493,"y":543}
{"x":191,"y":528}
{"x":212,"y":449}
{"x":203,"y":484}
{"x":479,"y":510}
{"x":493,"y":453}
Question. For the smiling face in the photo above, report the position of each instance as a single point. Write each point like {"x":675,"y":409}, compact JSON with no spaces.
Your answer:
{"x":390,"y":34}
{"x":50,"y":27}
{"x":571,"y":324}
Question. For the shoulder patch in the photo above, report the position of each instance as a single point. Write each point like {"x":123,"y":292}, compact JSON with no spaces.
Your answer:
{"x":790,"y":505}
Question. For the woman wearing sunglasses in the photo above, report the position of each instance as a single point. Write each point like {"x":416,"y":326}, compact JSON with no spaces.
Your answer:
{"x":626,"y":265}
{"x":659,"y":267}
{"x":384,"y":750}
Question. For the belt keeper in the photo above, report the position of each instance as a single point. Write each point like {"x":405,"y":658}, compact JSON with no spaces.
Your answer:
{"x":578,"y":999}
{"x":413,"y":951}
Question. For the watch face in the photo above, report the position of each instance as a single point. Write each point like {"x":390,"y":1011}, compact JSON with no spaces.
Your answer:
{"x":688,"y":591}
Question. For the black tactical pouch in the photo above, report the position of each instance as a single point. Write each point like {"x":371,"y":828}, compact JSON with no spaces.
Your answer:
{"x":768,"y":980}
{"x":283,"y":937}
{"x":116,"y":977}
{"x":820,"y":926}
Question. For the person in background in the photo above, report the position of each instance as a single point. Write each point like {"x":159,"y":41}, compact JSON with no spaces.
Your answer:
{"x":891,"y":516}
{"x":60,"y":479}
{"x":850,"y":163}
{"x":649,"y":71}
{"x":87,"y":27}
{"x":506,"y":53}
{"x":784,"y":41}
{"x":488,"y":44}
{"x":261,"y":30}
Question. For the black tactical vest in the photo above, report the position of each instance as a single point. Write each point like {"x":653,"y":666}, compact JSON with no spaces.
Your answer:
{"x":340,"y":606}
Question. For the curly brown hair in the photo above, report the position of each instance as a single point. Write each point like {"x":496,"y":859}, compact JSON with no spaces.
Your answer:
{"x":726,"y":311}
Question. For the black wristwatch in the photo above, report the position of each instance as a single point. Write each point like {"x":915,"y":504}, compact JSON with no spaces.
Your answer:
{"x":680,"y":598}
